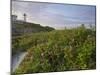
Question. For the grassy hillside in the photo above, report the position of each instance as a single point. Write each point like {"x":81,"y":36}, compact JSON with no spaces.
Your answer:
{"x":58,"y":50}
{"x":20,"y":28}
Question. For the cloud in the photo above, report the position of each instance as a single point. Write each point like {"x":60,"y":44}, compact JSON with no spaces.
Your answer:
{"x":54,"y":15}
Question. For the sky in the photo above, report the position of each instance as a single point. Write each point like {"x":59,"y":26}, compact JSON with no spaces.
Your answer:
{"x":55,"y":15}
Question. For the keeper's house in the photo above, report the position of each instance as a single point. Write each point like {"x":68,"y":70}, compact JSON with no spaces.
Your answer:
{"x":13,"y":17}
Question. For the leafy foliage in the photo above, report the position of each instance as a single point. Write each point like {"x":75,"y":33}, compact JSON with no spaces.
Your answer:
{"x":58,"y":50}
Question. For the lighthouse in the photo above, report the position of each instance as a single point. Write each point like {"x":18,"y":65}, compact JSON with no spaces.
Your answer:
{"x":24,"y":17}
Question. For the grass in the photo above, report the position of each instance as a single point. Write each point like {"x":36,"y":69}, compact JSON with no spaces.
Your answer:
{"x":58,"y":50}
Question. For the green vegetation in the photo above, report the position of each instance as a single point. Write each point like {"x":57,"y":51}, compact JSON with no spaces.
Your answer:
{"x":58,"y":50}
{"x":20,"y":28}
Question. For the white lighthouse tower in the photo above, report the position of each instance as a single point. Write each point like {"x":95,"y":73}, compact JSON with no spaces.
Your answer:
{"x":24,"y":17}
